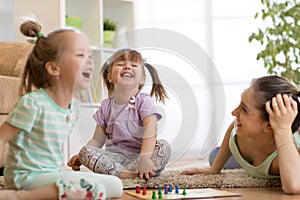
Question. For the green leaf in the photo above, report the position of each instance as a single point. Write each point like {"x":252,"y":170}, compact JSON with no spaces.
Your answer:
{"x":109,"y":25}
{"x":281,"y":38}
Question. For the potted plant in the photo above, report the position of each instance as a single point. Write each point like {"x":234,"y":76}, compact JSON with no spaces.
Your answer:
{"x":109,"y":27}
{"x":281,"y":38}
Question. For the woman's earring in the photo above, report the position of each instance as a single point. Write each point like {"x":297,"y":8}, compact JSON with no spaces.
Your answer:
{"x":57,"y":77}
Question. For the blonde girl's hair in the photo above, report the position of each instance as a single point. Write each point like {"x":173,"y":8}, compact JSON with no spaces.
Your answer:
{"x":46,"y":48}
{"x":130,"y":54}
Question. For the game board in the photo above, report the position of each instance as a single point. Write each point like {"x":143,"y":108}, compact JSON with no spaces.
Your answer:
{"x":190,"y":194}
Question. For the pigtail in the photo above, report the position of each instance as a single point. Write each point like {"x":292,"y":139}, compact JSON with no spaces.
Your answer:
{"x":157,"y":87}
{"x":30,"y":29}
{"x":104,"y":72}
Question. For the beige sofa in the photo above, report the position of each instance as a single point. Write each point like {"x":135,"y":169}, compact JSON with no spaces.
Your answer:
{"x":13,"y":56}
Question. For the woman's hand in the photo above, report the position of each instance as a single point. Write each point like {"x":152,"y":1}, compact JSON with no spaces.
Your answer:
{"x":75,"y":163}
{"x":282,"y":114}
{"x":203,"y":171}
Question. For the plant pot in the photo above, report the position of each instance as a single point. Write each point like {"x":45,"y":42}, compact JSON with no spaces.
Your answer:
{"x":75,"y":22}
{"x":109,"y":38}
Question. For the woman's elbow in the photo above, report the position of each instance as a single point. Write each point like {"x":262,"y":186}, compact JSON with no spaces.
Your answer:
{"x":292,"y":188}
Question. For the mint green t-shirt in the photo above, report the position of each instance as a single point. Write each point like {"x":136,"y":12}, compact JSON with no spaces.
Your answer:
{"x":38,"y":147}
{"x":262,"y":170}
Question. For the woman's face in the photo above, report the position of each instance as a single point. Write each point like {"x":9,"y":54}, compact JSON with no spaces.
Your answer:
{"x":248,"y":120}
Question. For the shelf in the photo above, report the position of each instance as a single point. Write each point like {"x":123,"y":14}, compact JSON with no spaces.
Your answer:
{"x":92,"y":14}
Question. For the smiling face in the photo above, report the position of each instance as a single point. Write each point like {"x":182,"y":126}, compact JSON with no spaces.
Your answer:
{"x":248,"y":117}
{"x":127,"y":72}
{"x":76,"y":64}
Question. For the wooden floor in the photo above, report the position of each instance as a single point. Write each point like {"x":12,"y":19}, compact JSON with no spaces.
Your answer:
{"x":246,"y":193}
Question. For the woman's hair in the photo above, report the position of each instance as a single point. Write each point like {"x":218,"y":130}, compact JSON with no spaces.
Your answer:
{"x":133,"y":55}
{"x":46,"y":48}
{"x":266,"y":87}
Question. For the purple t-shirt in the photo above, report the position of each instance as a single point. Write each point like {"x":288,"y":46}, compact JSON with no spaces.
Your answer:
{"x":123,"y":124}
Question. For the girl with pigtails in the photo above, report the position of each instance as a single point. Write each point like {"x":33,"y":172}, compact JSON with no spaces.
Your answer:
{"x":126,"y":122}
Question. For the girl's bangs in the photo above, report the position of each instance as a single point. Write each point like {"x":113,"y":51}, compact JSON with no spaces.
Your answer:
{"x":130,"y":55}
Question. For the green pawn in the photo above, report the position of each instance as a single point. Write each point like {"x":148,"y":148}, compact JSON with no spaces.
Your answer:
{"x":184,"y":192}
{"x":153,"y":195}
{"x":160,"y":196}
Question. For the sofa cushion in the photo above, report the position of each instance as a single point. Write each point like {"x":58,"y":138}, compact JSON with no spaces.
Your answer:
{"x":9,"y":93}
{"x":2,"y":160}
{"x":13,"y":57}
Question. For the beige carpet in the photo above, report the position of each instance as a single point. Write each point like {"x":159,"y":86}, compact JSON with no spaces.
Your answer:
{"x":227,"y":179}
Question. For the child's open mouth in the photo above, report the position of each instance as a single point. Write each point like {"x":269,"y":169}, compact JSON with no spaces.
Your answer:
{"x":126,"y":74}
{"x":87,"y":73}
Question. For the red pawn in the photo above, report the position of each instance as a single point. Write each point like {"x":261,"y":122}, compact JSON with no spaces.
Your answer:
{"x":137,"y":189}
{"x":144,"y":190}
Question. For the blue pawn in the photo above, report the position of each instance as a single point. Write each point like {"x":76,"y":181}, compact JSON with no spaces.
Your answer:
{"x":176,"y":189}
{"x":171,"y":188}
{"x":166,"y":190}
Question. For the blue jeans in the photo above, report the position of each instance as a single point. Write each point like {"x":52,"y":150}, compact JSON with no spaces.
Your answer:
{"x":230,"y":164}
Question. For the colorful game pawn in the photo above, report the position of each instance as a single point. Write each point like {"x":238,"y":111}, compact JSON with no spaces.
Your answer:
{"x":153,"y":195}
{"x":171,"y":188}
{"x":137,"y":189}
{"x":166,"y":190}
{"x":160,"y":196}
{"x":159,"y":190}
{"x":144,"y":190}
{"x":184,"y":192}
{"x":176,"y":189}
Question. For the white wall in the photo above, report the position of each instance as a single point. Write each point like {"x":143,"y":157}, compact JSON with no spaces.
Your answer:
{"x":222,"y":29}
{"x":6,"y":20}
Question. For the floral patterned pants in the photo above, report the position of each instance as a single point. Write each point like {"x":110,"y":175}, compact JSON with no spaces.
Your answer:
{"x":106,"y":162}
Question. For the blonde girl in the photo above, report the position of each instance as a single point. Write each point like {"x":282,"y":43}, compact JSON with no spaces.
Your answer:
{"x":36,"y":129}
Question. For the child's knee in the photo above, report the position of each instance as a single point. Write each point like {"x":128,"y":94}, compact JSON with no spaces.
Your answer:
{"x":99,"y":161}
{"x":161,"y":155}
{"x":86,"y":152}
{"x":164,"y":147}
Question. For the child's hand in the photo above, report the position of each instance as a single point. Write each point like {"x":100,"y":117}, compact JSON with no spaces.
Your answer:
{"x":194,"y":171}
{"x":75,"y":163}
{"x":282,"y":114}
{"x":146,"y":167}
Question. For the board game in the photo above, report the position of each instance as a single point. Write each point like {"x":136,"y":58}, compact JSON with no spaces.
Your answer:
{"x":189,"y":194}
